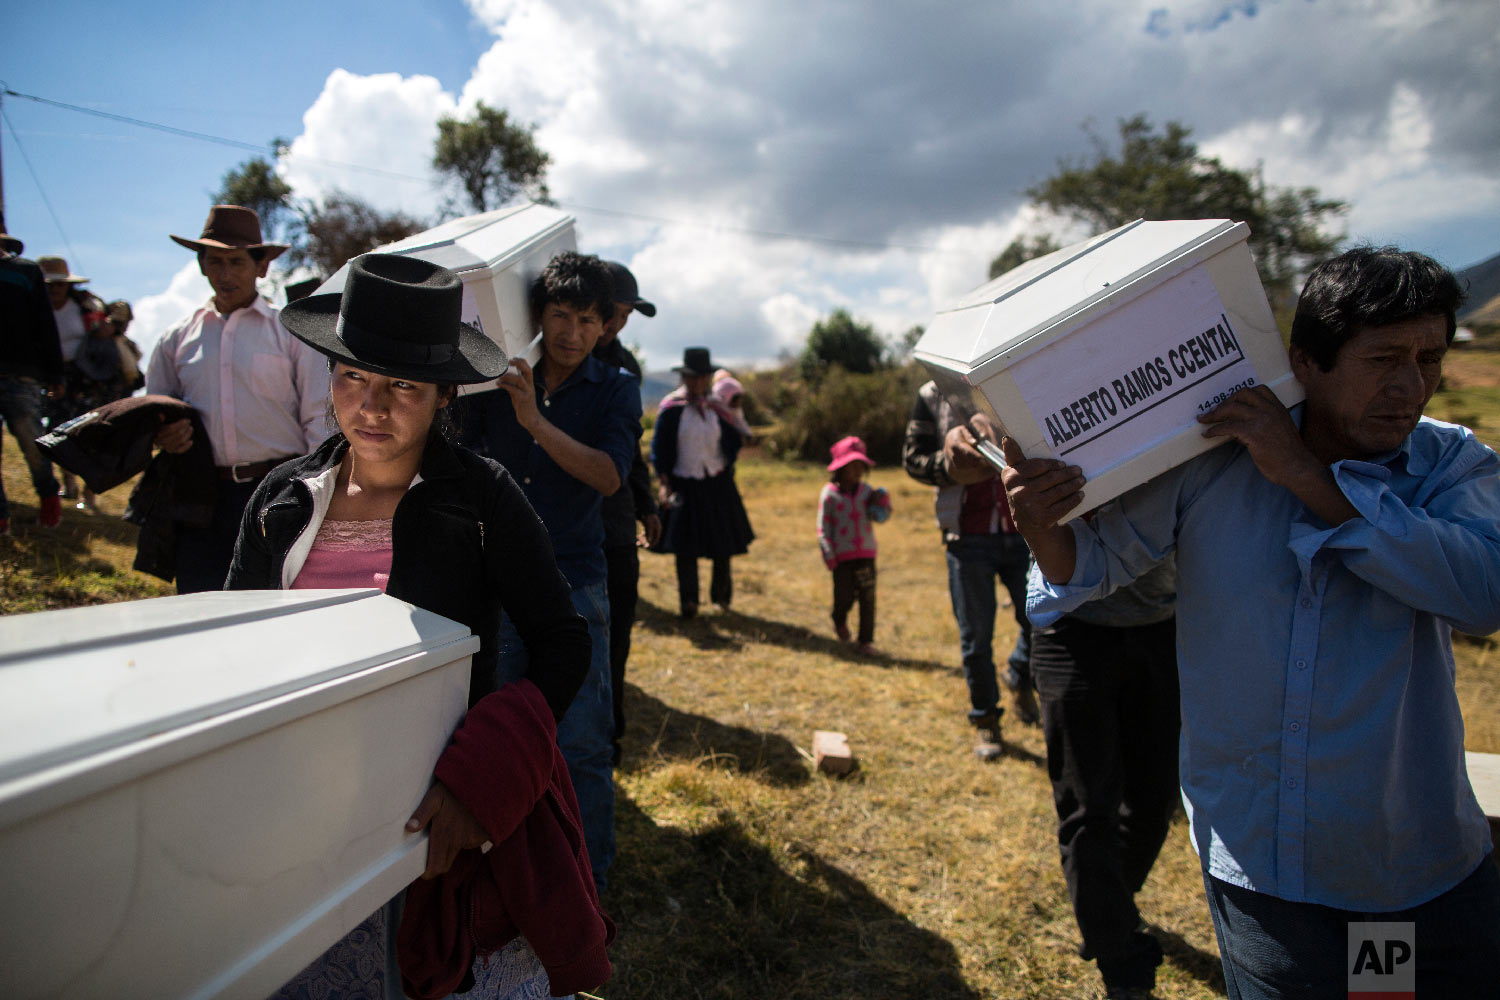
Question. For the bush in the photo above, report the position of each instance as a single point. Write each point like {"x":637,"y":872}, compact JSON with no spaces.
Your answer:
{"x":873,"y":406}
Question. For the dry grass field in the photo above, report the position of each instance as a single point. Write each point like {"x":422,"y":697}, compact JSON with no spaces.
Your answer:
{"x":742,"y":872}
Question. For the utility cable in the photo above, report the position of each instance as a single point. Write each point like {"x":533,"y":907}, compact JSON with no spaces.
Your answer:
{"x":37,"y":180}
{"x":265,"y":147}
{"x":659,"y":219}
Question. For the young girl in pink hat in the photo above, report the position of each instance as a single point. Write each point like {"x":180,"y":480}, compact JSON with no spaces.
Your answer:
{"x":848,"y":510}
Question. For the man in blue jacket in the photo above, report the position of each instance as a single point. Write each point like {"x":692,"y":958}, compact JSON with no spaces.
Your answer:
{"x":568,"y":431}
{"x":1324,"y":557}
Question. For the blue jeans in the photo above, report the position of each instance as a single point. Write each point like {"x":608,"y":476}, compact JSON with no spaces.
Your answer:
{"x":586,"y":732}
{"x":974,"y":562}
{"x":21,"y":409}
{"x":1274,"y":948}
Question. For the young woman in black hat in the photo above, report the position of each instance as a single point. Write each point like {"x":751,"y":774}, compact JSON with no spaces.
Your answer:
{"x":388,"y":502}
{"x":693,"y":449}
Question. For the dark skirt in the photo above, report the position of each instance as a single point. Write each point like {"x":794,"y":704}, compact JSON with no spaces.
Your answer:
{"x":709,"y":521}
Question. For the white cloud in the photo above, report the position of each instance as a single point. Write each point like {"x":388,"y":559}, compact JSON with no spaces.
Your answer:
{"x":385,"y":122}
{"x":154,"y":314}
{"x":686,"y":136}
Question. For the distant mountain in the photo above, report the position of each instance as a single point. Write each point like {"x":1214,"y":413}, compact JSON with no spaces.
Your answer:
{"x":655,"y":385}
{"x":1482,"y":282}
{"x":1486,"y":314}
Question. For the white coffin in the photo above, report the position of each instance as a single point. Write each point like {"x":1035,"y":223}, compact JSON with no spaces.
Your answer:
{"x":1103,"y":354}
{"x":200,"y":794}
{"x":496,"y":254}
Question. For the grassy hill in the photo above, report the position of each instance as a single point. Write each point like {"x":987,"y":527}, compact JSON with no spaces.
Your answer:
{"x":744,"y":874}
{"x":1481,"y":282}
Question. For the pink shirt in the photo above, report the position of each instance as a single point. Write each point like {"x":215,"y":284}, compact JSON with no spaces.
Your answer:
{"x":262,"y":393}
{"x":347,"y":554}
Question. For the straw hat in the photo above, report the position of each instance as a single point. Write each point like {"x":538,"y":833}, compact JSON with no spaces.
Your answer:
{"x":56,"y":271}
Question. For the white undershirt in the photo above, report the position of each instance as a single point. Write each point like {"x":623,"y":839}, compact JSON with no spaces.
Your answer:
{"x":698,"y":454}
{"x":70,"y":330}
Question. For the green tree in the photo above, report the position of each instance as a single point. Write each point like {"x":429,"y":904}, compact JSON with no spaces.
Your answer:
{"x":492,"y":159}
{"x":343,"y":227}
{"x":1022,"y":249}
{"x":839,"y":340}
{"x":1161,"y":175}
{"x":256,"y":184}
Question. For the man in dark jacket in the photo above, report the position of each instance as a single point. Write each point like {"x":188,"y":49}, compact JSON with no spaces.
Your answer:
{"x":567,"y":430}
{"x":624,"y":507}
{"x":30,"y":368}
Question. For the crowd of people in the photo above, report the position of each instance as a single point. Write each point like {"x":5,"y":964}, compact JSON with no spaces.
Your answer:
{"x":65,"y":352}
{"x":1262,"y":633}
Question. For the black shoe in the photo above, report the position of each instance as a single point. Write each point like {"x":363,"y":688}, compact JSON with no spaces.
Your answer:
{"x":1022,"y":698}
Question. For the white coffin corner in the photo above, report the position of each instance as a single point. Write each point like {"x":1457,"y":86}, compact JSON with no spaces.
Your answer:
{"x":1077,"y":325}
{"x":199,"y":794}
{"x":496,"y":254}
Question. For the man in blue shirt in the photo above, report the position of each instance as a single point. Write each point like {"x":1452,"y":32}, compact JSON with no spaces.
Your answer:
{"x":568,"y":432}
{"x":1323,"y":558}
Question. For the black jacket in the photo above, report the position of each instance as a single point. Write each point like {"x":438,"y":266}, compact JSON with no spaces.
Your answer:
{"x":634,"y":500}
{"x":465,"y":544}
{"x":108,"y":445}
{"x":29,"y":347}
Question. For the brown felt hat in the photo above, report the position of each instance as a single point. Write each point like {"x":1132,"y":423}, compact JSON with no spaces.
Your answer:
{"x":232,"y":227}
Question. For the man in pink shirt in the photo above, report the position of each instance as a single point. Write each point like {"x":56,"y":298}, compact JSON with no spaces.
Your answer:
{"x":261,"y":393}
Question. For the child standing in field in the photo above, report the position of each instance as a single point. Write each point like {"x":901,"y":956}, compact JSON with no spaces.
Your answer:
{"x":848,"y":510}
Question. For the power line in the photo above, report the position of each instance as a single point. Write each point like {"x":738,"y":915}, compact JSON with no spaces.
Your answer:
{"x":206,"y":137}
{"x":37,"y":180}
{"x":658,"y":219}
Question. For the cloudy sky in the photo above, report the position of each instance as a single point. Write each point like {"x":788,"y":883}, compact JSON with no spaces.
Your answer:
{"x":756,"y":164}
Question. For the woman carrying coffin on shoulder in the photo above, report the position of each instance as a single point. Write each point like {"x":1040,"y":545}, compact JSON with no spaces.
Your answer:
{"x":388,"y":502}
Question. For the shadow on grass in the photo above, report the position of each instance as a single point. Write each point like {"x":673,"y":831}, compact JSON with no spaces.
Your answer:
{"x":732,"y":629}
{"x":1201,"y":965}
{"x":658,"y":730}
{"x":42,"y":568}
{"x":716,"y":915}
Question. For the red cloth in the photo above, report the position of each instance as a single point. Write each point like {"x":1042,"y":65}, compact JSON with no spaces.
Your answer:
{"x":505,"y":767}
{"x":985,"y":510}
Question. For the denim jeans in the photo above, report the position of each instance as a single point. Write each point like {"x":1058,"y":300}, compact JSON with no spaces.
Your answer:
{"x":974,"y":563}
{"x":21,"y":409}
{"x":1109,"y":704}
{"x":586,"y":731}
{"x":1271,"y":947}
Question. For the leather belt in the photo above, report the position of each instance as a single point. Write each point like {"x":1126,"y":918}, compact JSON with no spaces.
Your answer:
{"x":247,"y":472}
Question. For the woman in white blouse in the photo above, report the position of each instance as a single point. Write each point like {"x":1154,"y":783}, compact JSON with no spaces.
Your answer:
{"x":693,"y":451}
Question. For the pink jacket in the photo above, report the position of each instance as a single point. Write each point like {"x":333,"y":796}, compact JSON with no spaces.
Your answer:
{"x":846,"y":522}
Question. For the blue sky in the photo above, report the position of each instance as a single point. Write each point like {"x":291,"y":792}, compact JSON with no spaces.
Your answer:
{"x":757,"y":165}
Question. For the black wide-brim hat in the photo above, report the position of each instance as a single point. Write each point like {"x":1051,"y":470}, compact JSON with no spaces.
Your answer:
{"x":399,"y":317}
{"x":695,"y":361}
